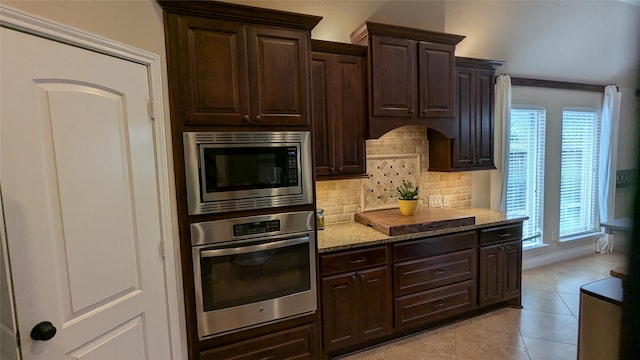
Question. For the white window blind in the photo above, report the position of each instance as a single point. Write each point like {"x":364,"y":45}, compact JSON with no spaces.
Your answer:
{"x":525,"y":179}
{"x":579,"y":172}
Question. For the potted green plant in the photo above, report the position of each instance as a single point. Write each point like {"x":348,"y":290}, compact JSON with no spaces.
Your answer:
{"x":408,"y":201}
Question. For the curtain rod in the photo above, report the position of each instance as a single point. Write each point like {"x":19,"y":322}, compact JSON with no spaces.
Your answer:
{"x":552,"y":84}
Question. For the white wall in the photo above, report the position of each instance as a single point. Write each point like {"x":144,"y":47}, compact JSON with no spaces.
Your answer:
{"x":580,"y":41}
{"x":592,"y":42}
{"x":340,"y":18}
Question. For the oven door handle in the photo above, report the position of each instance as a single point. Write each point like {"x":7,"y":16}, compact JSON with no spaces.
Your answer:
{"x":253,"y":248}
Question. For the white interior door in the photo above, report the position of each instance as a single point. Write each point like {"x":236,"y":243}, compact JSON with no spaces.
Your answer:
{"x":80,"y":197}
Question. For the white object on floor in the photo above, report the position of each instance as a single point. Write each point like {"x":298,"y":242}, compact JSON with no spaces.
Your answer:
{"x":604,"y":244}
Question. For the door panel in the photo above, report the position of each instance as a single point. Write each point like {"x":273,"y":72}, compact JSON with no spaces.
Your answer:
{"x":393,"y":76}
{"x":490,"y":275}
{"x":339,"y":310}
{"x":321,"y":106}
{"x":435,"y":71}
{"x":81,"y":201}
{"x":278,"y":63}
{"x":124,"y":342}
{"x":484,"y":117}
{"x":512,"y":278}
{"x":216,"y":73}
{"x":93,"y":280}
{"x":374,"y":303}
{"x":349,"y":110}
{"x":465,"y":112}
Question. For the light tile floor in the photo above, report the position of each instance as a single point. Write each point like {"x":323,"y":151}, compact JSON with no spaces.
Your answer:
{"x":546,"y":328}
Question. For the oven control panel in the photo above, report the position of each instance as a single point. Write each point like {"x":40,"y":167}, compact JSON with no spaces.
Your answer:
{"x":258,"y":227}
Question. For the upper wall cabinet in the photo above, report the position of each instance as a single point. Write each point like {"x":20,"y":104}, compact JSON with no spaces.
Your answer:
{"x":338,"y":109}
{"x":471,"y":148}
{"x":411,"y":75}
{"x":232,"y":66}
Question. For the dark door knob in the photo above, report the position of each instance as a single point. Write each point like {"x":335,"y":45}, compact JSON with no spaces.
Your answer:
{"x":43,"y":331}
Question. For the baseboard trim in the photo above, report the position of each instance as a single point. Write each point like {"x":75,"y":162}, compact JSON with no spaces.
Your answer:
{"x":560,"y":255}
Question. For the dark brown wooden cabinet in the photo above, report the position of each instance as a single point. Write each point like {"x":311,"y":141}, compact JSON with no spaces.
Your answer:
{"x":500,"y":271}
{"x":338,"y":109}
{"x":234,"y":68}
{"x":233,"y":73}
{"x":411,"y":75}
{"x":356,"y":301}
{"x":296,"y":343}
{"x":393,"y":77}
{"x":471,"y":147}
{"x":434,"y":278}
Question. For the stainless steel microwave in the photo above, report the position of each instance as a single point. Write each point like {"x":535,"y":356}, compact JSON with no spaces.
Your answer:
{"x":232,"y":171}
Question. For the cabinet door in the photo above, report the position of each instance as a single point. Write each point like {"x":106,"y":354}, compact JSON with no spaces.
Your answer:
{"x":463,"y":145}
{"x":484,"y":93}
{"x":490,"y":275}
{"x":339,"y":310}
{"x":349,"y":114}
{"x":512,"y":270}
{"x":374,"y":303}
{"x":278,"y":68}
{"x":435,"y":73}
{"x":321,"y":111}
{"x":215,"y":84}
{"x":393,"y":76}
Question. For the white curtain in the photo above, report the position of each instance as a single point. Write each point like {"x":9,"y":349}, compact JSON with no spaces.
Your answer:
{"x":609,"y":152}
{"x":498,"y":197}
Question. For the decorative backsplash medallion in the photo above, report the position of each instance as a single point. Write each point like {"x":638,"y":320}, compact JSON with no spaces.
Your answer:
{"x":385,"y":174}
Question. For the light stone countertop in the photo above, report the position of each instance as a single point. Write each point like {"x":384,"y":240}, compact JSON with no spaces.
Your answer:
{"x":351,"y":235}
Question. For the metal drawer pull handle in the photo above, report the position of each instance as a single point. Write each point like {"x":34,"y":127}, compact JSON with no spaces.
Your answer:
{"x":438,"y":271}
{"x":436,"y":225}
{"x":357,"y":261}
{"x":504,"y":235}
{"x":440,"y":304}
{"x":272,"y":355}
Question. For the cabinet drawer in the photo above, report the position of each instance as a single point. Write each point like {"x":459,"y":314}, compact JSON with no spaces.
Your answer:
{"x":353,"y":260}
{"x":433,"y":246}
{"x":500,"y":234}
{"x":420,"y":308}
{"x":435,"y":271}
{"x":297,"y":343}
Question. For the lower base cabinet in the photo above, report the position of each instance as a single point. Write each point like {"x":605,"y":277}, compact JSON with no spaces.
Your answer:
{"x":500,"y":275}
{"x":297,"y":343}
{"x":388,"y":291}
{"x":356,"y":305}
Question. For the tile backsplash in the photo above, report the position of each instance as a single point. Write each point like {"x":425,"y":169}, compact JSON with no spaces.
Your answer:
{"x":400,"y":154}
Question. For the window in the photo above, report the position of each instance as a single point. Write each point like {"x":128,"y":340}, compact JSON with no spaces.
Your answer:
{"x":579,"y":172}
{"x":525,"y":184}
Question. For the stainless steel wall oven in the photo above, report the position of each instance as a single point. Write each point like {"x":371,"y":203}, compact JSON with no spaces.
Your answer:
{"x":232,"y":171}
{"x":253,"y":270}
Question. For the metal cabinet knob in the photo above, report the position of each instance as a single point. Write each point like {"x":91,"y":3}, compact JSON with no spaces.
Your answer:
{"x":43,"y":331}
{"x":245,"y":118}
{"x":258,"y":118}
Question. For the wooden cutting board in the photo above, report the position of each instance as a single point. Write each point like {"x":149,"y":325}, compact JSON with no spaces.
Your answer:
{"x":391,"y":222}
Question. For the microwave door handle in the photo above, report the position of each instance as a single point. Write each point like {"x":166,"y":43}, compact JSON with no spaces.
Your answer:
{"x":253,"y":248}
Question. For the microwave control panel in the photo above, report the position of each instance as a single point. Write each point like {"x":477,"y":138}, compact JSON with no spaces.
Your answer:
{"x":253,"y":228}
{"x":292,"y":164}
